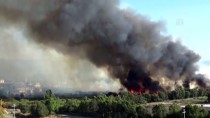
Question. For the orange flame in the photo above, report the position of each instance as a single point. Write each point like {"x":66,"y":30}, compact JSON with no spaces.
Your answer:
{"x":132,"y":91}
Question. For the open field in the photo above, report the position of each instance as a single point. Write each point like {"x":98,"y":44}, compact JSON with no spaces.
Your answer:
{"x":196,"y":100}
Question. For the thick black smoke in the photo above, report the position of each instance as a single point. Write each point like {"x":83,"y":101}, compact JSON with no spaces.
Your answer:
{"x":201,"y":80}
{"x":140,"y":81}
{"x":129,"y":44}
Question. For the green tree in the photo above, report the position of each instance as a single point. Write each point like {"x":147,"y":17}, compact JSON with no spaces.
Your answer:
{"x":141,"y":100}
{"x":53,"y":104}
{"x":174,"y":111}
{"x":25,"y":108}
{"x":147,"y":97}
{"x":208,"y":116}
{"x":89,"y":107}
{"x":193,"y":111}
{"x":155,"y":98}
{"x":201,"y":92}
{"x":207,"y":90}
{"x":193,"y":92}
{"x":84,"y":106}
{"x":142,"y":112}
{"x":101,"y":98}
{"x":159,"y":111}
{"x":178,"y":93}
{"x":128,"y":96}
{"x":208,"y":97}
{"x":93,"y":106}
{"x":48,"y":94}
{"x":125,"y":109}
{"x":163,"y":96}
{"x":39,"y":109}
{"x":187,"y":94}
{"x":105,"y":107}
{"x":72,"y":105}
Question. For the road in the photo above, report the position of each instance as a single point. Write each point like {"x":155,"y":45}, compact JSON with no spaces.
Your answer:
{"x":65,"y":116}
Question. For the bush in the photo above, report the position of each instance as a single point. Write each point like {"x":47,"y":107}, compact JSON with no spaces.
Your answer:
{"x":25,"y":108}
{"x":174,"y":111}
{"x":155,"y":98}
{"x":71,"y":105}
{"x":163,"y":96}
{"x":179,"y":93}
{"x":147,"y":97}
{"x":54,"y":104}
{"x":193,"y":92}
{"x":142,"y":112}
{"x":195,"y":112}
{"x":39,"y":109}
{"x":187,"y":94}
{"x":159,"y":111}
{"x":208,"y":97}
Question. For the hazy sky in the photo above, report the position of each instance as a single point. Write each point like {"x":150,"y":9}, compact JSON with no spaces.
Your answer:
{"x":186,"y":20}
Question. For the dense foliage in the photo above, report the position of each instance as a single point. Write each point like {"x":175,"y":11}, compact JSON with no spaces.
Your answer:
{"x":126,"y":105}
{"x":39,"y":109}
{"x":195,"y":112}
{"x":159,"y":111}
{"x":174,"y":111}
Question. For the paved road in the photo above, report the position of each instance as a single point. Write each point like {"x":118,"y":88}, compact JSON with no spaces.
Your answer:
{"x":68,"y":116}
{"x":65,"y":116}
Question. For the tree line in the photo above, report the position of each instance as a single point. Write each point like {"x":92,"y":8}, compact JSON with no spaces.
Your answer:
{"x":126,"y":105}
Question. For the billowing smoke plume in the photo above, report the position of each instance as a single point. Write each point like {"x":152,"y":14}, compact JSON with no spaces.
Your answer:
{"x":129,"y":45}
{"x":24,"y":63}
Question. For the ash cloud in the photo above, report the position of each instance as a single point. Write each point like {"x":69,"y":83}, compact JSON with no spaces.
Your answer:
{"x":97,"y":30}
{"x":24,"y":63}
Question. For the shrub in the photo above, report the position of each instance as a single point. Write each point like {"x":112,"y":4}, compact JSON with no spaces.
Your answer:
{"x":159,"y":111}
{"x":39,"y":109}
{"x":142,"y":112}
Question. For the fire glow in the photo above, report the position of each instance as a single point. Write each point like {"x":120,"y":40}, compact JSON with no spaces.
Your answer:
{"x":141,"y":91}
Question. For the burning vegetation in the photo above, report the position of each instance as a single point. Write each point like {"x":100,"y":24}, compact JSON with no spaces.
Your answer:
{"x":140,"y":82}
{"x":130,"y":46}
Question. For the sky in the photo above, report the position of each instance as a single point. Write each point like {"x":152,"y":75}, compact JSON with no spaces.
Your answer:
{"x":186,"y":20}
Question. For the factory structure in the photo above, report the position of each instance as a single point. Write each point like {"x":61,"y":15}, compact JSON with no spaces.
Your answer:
{"x":19,"y":89}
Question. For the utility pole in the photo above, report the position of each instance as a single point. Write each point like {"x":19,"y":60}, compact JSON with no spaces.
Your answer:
{"x":184,"y":112}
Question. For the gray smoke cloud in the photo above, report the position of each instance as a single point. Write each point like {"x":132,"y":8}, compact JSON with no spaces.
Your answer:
{"x":24,"y":63}
{"x":107,"y":36}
